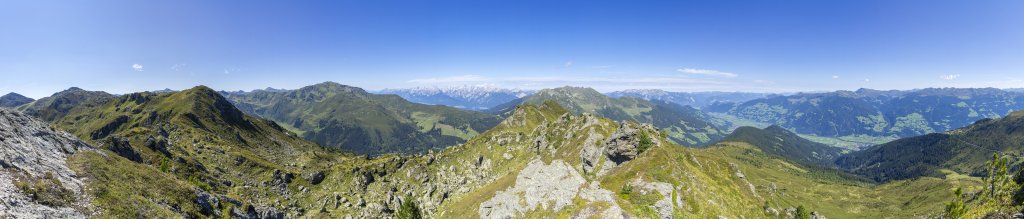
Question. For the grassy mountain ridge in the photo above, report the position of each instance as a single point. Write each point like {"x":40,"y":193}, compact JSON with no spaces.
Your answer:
{"x":352,"y":119}
{"x":684,"y":125}
{"x":194,"y":141}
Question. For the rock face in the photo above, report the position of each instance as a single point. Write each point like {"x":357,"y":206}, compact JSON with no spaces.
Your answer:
{"x":622,"y":146}
{"x":538,"y":185}
{"x":32,"y":152}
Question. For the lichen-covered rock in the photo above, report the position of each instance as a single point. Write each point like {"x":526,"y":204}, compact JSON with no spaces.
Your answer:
{"x":537,"y":185}
{"x":622,"y":145}
{"x":663,"y":206}
{"x":31,"y":150}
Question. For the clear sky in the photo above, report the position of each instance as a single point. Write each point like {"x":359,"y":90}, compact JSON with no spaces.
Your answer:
{"x":792,"y":45}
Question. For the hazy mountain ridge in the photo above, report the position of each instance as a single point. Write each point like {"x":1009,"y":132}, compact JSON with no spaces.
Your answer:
{"x":878,"y":113}
{"x":683,"y":124}
{"x":695,"y":99}
{"x":463,"y":97}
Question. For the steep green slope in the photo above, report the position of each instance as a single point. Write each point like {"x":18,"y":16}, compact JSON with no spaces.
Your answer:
{"x":59,"y":104}
{"x":778,"y":141}
{"x":351,"y":119}
{"x":197,"y":146}
{"x":684,"y":125}
{"x":964,"y":150}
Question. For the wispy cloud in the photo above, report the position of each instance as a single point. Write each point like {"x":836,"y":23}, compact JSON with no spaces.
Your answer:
{"x":231,"y":70}
{"x":137,"y":67}
{"x":178,"y":67}
{"x":715,"y":73}
{"x":949,"y":76}
{"x":568,"y":64}
{"x":835,"y":76}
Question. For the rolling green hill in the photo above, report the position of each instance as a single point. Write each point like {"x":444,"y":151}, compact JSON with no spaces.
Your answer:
{"x":684,"y":125}
{"x":351,"y":119}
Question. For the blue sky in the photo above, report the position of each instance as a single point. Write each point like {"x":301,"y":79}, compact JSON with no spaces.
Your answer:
{"x":768,"y":46}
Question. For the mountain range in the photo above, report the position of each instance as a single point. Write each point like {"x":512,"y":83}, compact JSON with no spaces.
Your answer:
{"x":876,"y":113}
{"x":695,"y":99}
{"x":351,"y":119}
{"x":682,"y":124}
{"x":563,"y":152}
{"x":462,"y":97}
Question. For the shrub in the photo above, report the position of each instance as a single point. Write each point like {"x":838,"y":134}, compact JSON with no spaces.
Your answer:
{"x":409,"y":209}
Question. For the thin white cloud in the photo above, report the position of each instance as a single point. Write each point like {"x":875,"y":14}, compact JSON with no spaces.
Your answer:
{"x":835,"y":76}
{"x":707,"y":72}
{"x":764,"y":82}
{"x":568,"y":64}
{"x":137,"y":67}
{"x":949,"y":76}
{"x":178,"y":67}
{"x":867,"y":80}
{"x":231,"y":70}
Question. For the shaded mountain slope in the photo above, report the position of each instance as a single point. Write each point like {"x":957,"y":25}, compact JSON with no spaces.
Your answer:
{"x":965,"y":150}
{"x":778,"y":141}
{"x":59,"y":104}
{"x":12,"y":100}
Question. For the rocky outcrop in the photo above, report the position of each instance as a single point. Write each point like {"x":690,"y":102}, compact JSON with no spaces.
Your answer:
{"x":595,"y":194}
{"x":35,"y":180}
{"x":622,"y":146}
{"x":548,"y":186}
{"x":664,"y":205}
